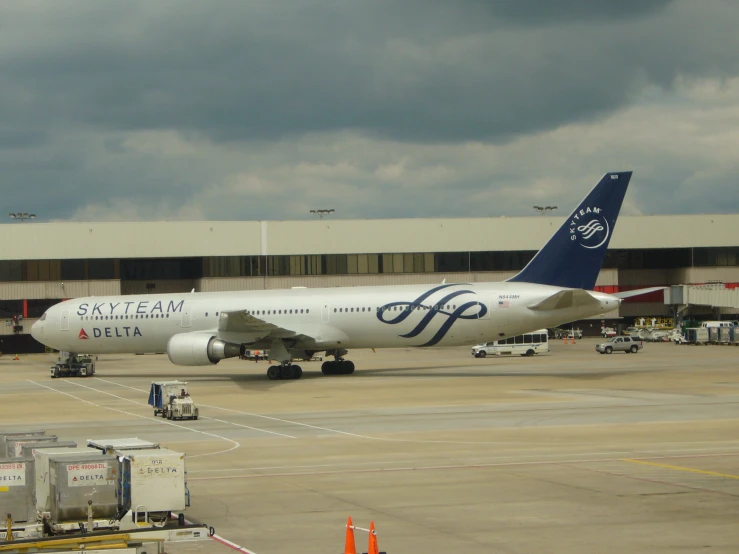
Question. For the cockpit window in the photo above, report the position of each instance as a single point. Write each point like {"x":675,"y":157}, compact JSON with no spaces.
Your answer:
{"x":43,"y":317}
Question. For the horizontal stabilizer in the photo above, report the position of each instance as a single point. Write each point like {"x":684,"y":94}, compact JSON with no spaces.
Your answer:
{"x":566,"y":299}
{"x":638,"y":292}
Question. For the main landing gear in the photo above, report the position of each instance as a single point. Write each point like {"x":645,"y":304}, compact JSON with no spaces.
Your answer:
{"x":339,"y":367}
{"x":286,"y":370}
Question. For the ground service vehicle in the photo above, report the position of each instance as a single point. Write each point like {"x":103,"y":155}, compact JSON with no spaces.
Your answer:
{"x":255,"y":355}
{"x":527,"y":344}
{"x":620,"y":344}
{"x":73,"y":365}
{"x":171,"y":400}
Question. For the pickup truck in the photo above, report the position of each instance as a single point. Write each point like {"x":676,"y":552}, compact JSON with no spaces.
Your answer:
{"x":622,"y":344}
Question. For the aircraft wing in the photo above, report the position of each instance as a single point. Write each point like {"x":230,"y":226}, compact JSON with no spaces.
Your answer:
{"x":565,"y":299}
{"x":243,"y":322}
{"x":240,"y":326}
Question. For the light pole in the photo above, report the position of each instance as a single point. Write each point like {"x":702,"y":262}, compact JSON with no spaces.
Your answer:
{"x":544,"y":209}
{"x":22,"y":216}
{"x":322,"y":212}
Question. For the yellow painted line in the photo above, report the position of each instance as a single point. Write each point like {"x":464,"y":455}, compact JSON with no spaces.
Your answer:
{"x":681,"y":468}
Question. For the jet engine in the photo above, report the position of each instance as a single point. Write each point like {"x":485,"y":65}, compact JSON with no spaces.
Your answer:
{"x":193,"y":349}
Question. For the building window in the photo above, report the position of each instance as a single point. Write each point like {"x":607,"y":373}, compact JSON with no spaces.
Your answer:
{"x":73,"y":270}
{"x":11,"y":270}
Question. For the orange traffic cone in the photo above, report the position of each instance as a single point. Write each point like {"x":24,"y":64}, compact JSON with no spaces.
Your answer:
{"x":349,"y":544}
{"x":372,"y":548}
{"x":16,"y":357}
{"x":573,"y":339}
{"x":564,"y":340}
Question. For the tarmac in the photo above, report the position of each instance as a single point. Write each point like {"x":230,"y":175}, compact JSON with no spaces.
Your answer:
{"x":571,"y":452}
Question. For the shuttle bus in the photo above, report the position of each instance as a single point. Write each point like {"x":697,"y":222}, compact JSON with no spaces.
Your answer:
{"x":527,"y":344}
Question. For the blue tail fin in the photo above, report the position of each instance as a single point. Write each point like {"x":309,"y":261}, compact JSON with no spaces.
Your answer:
{"x":574,"y":255}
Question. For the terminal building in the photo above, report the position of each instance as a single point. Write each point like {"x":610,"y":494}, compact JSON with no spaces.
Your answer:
{"x":45,"y":263}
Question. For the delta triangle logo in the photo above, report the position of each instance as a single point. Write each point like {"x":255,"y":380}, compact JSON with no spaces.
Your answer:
{"x":82,"y":335}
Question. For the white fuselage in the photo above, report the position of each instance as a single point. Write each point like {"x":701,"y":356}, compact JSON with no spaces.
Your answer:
{"x":355,"y":317}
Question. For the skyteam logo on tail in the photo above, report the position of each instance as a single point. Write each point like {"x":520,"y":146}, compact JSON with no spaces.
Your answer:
{"x":589,"y":228}
{"x":424,"y":313}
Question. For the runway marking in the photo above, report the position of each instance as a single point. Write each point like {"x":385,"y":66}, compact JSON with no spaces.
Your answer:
{"x":368,"y":437}
{"x":218,"y":538}
{"x":436,"y":468}
{"x":231,"y":545}
{"x":346,"y":433}
{"x":163,"y":422}
{"x":500,"y":460}
{"x":681,"y":468}
{"x":647,"y":480}
{"x":283,"y":420}
{"x":203,"y":417}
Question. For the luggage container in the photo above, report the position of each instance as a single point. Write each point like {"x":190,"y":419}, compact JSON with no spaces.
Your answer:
{"x":152,"y":482}
{"x":16,"y":490}
{"x":22,"y":434}
{"x":724,"y":335}
{"x":14,"y":444}
{"x":696,"y":335}
{"x":735,"y":336}
{"x":113,"y":445}
{"x":4,"y":436}
{"x":42,"y":485}
{"x":76,"y":480}
{"x":28,"y":450}
{"x":713,"y":334}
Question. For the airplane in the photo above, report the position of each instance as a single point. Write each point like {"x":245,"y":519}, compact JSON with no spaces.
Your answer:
{"x":201,"y":329}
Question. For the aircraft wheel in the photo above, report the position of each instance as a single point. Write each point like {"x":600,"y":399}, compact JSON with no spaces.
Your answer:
{"x":346,"y":367}
{"x":297,"y":372}
{"x":274,"y":373}
{"x":287,"y":372}
{"x":328,"y":368}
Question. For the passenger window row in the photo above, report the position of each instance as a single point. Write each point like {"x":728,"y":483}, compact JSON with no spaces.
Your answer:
{"x":132,"y":316}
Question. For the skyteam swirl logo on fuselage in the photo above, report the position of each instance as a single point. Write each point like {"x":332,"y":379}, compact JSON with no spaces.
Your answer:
{"x":589,"y":227}
{"x":466,"y":310}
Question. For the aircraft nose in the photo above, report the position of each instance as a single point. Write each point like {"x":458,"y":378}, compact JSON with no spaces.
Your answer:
{"x":37,"y":330}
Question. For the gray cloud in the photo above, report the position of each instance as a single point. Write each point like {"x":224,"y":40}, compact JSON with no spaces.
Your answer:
{"x":254,"y":84}
{"x":246,"y":70}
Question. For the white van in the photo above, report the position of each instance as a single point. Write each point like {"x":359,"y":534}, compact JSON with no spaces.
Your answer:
{"x":527,"y":344}
{"x":711,"y":324}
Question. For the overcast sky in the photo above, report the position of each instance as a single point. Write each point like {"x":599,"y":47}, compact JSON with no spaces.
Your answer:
{"x":244,"y":109}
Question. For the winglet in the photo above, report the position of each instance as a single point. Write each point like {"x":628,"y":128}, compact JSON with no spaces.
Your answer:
{"x":574,"y":255}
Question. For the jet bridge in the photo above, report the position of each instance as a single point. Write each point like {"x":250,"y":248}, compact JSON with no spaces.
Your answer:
{"x":715,"y":295}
